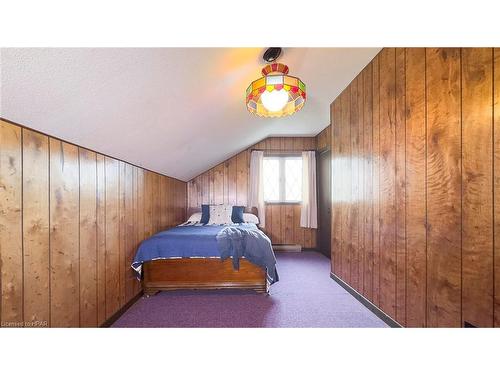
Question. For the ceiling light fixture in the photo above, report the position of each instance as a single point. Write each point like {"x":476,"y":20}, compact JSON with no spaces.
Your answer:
{"x":276,"y":94}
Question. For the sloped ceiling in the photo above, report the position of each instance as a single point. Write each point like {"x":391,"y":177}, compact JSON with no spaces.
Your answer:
{"x":177,"y":111}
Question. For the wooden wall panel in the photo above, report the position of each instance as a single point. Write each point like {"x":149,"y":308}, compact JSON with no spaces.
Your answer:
{"x":70,"y":222}
{"x":64,"y":233}
{"x":101,"y":238}
{"x":242,"y":171}
{"x":163,"y":202}
{"x":36,"y":228}
{"x":443,"y":187}
{"x":218,"y":188}
{"x":429,"y":180}
{"x":140,"y":234}
{"x":400,"y":178}
{"x":130,"y":232}
{"x":136,"y":235}
{"x":336,"y":191}
{"x":11,"y":246}
{"x":387,"y":181}
{"x":345,"y":151}
{"x":88,"y":238}
{"x":367,"y":181}
{"x":353,"y":246}
{"x":227,"y":183}
{"x":276,"y":237}
{"x":324,"y":139}
{"x":121,"y":225}
{"x":416,"y":235}
{"x":112,"y":168}
{"x":169,"y":188}
{"x":148,"y":204}
{"x":154,"y":202}
{"x":361,"y":184}
{"x":496,"y":187}
{"x":376,"y":179}
{"x":231,"y":177}
{"x":477,"y":180}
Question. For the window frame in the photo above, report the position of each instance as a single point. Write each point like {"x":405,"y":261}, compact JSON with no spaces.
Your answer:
{"x":282,"y":178}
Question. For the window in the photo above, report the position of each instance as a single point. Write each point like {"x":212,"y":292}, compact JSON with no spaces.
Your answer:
{"x":283,"y":179}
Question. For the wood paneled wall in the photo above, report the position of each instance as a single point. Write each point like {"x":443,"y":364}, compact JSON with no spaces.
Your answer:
{"x":324,"y":139}
{"x":416,"y":185}
{"x":70,"y":222}
{"x":228,"y":183}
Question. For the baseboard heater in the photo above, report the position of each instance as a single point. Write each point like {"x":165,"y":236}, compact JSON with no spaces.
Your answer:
{"x":288,"y":248}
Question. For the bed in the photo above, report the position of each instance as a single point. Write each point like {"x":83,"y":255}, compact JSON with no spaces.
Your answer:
{"x":201,"y":256}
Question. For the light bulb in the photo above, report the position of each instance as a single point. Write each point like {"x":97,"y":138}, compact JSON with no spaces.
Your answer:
{"x":275,"y":100}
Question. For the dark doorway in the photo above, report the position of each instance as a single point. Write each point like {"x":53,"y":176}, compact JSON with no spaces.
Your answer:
{"x":324,"y":202}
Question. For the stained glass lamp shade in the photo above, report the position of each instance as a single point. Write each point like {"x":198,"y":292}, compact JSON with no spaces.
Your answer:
{"x":276,"y":94}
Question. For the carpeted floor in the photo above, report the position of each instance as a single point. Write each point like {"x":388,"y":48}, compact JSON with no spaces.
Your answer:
{"x":305,"y":296}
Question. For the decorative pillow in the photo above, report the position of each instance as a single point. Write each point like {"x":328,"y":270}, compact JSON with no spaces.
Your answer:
{"x":195,"y":217}
{"x":205,"y":213}
{"x":237,"y":215}
{"x":250,"y":218}
{"x":220,"y":214}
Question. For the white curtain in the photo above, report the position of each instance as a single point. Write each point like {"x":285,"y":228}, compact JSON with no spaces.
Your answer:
{"x":256,"y":198}
{"x":309,"y":207}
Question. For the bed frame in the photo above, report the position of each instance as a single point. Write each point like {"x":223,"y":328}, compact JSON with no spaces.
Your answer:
{"x":201,"y":273}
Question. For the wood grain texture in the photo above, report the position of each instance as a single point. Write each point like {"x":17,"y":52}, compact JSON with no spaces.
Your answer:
{"x":101,"y":238}
{"x":140,"y":208}
{"x":36,"y":228}
{"x":121,"y":224}
{"x":345,"y":149}
{"x":202,"y":273}
{"x":324,"y":139}
{"x":400,"y":178}
{"x":64,"y":233}
{"x":353,"y":246}
{"x":11,"y":244}
{"x":218,"y":188}
{"x":88,"y":238}
{"x":70,"y":222}
{"x":112,"y":236}
{"x":163,"y":198}
{"x":336,"y":189}
{"x":376,"y":179}
{"x":443,"y":188}
{"x":477,"y":182}
{"x":367,"y":181}
{"x":242,"y":171}
{"x":129,"y":226}
{"x":361,"y":184}
{"x":148,"y":204}
{"x":388,"y":181}
{"x":496,"y":187}
{"x":416,"y":235}
{"x":429,"y":178}
{"x":135,"y":217}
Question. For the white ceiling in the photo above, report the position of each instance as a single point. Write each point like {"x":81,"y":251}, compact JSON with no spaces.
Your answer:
{"x":177,"y":111}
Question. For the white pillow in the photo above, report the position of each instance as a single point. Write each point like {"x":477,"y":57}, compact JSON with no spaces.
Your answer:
{"x":250,"y":218}
{"x":195,"y":217}
{"x":220,"y":214}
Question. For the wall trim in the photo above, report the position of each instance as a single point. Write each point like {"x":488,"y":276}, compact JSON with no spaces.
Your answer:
{"x":367,"y":303}
{"x":113,"y":318}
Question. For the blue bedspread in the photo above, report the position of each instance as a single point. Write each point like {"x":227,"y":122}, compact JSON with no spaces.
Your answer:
{"x":248,"y":241}
{"x":200,"y":241}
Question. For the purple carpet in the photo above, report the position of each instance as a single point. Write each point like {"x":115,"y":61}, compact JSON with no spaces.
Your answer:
{"x":305,"y":296}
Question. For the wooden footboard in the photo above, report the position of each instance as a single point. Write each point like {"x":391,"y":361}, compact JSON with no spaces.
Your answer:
{"x":203,"y":273}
